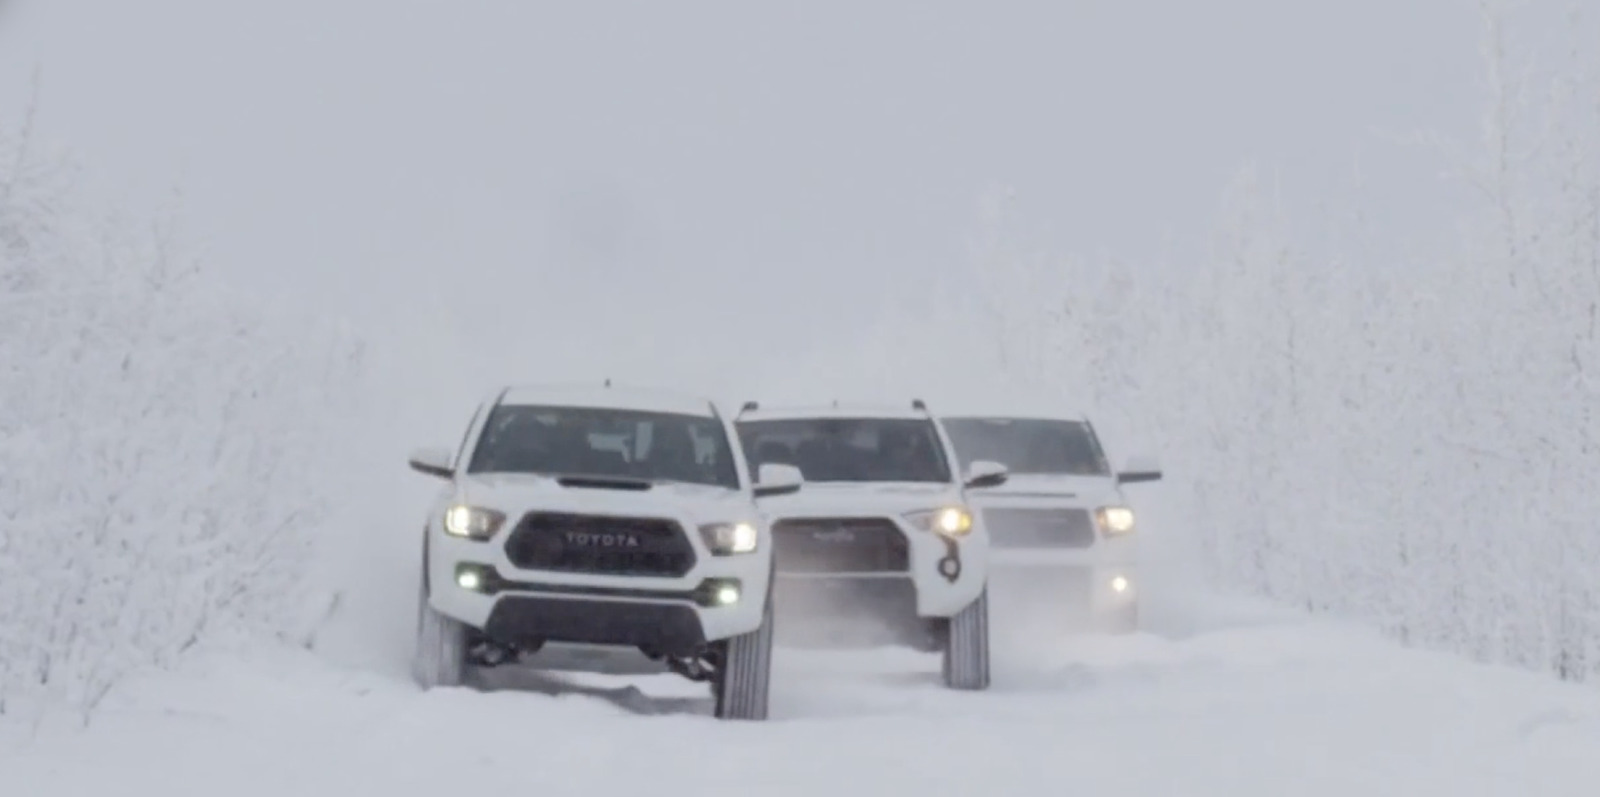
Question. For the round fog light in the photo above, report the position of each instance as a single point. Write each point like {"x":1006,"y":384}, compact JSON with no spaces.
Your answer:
{"x":1119,"y":584}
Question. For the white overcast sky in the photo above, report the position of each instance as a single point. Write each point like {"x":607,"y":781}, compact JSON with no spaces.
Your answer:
{"x":519,"y":171}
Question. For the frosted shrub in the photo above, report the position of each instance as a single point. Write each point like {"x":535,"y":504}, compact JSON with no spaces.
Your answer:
{"x":1416,"y":441}
{"x":162,"y":475}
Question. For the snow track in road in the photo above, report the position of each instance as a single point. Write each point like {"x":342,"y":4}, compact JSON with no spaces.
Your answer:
{"x":1267,"y":704}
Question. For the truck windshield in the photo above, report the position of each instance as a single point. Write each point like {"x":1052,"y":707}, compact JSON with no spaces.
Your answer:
{"x":1026,"y":445}
{"x":849,"y":449}
{"x":586,"y":441}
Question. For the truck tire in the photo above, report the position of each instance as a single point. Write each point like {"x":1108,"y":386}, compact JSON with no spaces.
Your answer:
{"x":441,"y":654}
{"x":742,"y":683}
{"x":966,"y":648}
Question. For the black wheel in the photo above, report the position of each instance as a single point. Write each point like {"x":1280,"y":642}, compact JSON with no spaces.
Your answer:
{"x":966,"y":649}
{"x":441,"y":653}
{"x":744,"y":673}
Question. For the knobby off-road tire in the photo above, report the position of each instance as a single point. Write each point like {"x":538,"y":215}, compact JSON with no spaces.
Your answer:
{"x":441,"y":654}
{"x":966,"y":647}
{"x":742,"y":685}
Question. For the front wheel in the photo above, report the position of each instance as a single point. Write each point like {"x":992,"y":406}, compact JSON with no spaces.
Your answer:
{"x":966,"y":646}
{"x":441,"y":654}
{"x":742,"y":681}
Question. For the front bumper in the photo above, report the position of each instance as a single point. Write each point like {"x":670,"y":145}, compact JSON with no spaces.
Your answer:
{"x":851,"y":612}
{"x":670,"y":628}
{"x":1073,"y":591}
{"x":673,"y":615}
{"x":1053,"y":558}
{"x":818,"y":557}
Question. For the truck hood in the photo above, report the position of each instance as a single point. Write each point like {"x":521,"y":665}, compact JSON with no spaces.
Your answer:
{"x":836,"y":499}
{"x":516,"y":494}
{"x":1023,"y":488}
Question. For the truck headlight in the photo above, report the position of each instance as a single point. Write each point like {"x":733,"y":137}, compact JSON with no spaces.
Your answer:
{"x":1114,"y":520}
{"x":730,"y":538}
{"x":472,"y":522}
{"x":951,"y":521}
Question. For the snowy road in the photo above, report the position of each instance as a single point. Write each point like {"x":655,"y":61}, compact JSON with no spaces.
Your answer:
{"x":1252,"y":703}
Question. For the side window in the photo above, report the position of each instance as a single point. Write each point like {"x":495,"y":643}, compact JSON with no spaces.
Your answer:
{"x":750,"y":441}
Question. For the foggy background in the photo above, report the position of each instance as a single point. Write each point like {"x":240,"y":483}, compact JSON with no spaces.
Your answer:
{"x":721,"y":197}
{"x":507,"y":172}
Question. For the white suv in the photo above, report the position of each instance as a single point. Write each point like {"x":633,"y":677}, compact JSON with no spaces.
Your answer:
{"x":1061,"y":526}
{"x":882,"y":539}
{"x":600,"y":516}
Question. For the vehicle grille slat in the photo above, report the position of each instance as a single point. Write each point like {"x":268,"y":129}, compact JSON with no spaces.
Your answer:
{"x":1018,"y":527}
{"x":600,"y":544}
{"x":840,"y":545}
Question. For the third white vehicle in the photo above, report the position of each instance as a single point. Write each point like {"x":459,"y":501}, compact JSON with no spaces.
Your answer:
{"x":1063,"y":533}
{"x":882,"y":535}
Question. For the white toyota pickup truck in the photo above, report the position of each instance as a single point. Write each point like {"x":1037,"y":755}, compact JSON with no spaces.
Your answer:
{"x":604,"y":517}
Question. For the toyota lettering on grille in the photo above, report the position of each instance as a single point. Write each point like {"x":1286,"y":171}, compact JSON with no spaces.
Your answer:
{"x":592,"y":539}
{"x":839,"y":534}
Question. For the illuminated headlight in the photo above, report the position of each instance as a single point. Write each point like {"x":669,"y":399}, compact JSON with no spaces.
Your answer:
{"x":730,"y":538}
{"x":1114,"y":519}
{"x":951,"y":521}
{"x":471,"y":522}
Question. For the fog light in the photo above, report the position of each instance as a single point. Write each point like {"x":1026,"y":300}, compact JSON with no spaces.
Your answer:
{"x":718,"y":592}
{"x":476,"y":578}
{"x":1119,"y":584}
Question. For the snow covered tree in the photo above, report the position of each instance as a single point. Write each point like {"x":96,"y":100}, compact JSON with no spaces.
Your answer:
{"x":163,"y":478}
{"x":1405,"y":435}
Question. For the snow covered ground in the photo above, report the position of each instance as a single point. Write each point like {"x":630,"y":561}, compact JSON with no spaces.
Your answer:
{"x":1228,"y":700}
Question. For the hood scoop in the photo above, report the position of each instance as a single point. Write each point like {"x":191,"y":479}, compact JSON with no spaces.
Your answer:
{"x":604,"y":483}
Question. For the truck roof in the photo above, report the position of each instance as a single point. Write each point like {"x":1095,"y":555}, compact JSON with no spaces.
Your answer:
{"x":996,"y":413}
{"x":608,"y":397}
{"x":1009,"y":406}
{"x":839,"y":410}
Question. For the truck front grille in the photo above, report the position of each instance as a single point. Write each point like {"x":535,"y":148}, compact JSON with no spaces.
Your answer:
{"x":840,"y":545}
{"x":1015,"y":527}
{"x":616,"y":546}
